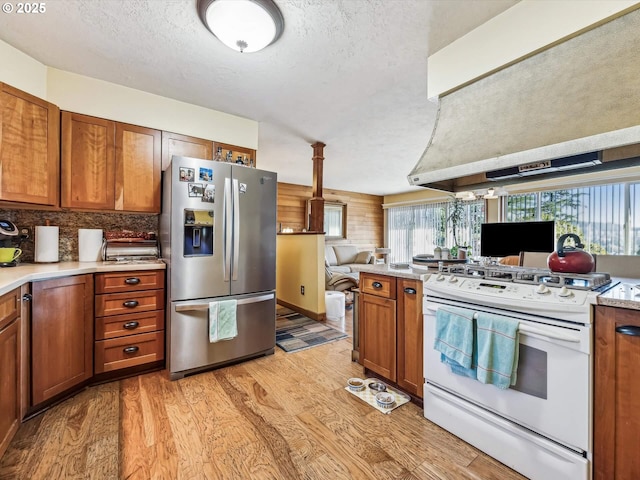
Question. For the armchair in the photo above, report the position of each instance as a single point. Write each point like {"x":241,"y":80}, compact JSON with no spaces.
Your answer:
{"x":339,"y":282}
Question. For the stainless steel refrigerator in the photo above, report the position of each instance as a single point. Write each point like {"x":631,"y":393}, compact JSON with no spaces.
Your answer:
{"x":218,"y":238}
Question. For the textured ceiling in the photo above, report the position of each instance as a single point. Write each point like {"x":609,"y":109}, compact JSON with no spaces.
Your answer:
{"x":349,"y":73}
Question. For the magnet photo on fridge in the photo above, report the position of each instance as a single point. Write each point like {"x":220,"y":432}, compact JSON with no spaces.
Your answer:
{"x":206,"y":174}
{"x":187,"y":174}
{"x":209,"y":193}
{"x":196,"y":189}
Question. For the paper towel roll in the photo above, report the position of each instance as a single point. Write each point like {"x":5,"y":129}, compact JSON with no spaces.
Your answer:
{"x":89,"y":244}
{"x":46,"y":244}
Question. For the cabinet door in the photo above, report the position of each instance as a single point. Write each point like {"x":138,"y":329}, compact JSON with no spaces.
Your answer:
{"x":616,"y":394}
{"x":378,"y":335}
{"x":184,"y":146}
{"x":9,"y":368}
{"x":410,"y":341}
{"x":138,"y":168}
{"x":29,"y":148}
{"x":88,"y":161}
{"x":62,"y":335}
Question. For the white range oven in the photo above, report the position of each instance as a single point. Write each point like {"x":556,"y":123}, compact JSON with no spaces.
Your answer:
{"x":542,"y":425}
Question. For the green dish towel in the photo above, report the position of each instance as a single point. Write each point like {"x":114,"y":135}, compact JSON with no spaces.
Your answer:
{"x":222,"y":320}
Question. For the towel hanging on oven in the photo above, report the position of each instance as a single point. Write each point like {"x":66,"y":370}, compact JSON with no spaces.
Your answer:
{"x":498,"y":349}
{"x":479,"y":345}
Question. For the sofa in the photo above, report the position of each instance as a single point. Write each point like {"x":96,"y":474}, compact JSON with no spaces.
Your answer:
{"x":342,"y":258}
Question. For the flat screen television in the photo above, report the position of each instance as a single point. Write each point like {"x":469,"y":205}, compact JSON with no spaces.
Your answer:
{"x":511,"y":238}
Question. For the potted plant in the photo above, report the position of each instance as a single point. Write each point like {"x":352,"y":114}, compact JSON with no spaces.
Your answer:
{"x":457,"y":215}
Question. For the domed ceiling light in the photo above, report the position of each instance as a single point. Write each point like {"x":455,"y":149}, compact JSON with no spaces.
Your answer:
{"x":244,"y":25}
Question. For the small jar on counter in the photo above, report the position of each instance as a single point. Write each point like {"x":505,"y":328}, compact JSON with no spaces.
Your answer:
{"x":437,"y":253}
{"x":445,"y":254}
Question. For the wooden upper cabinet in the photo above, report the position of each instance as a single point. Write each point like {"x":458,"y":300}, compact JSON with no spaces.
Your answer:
{"x":138,"y":168}
{"x":109,"y":165}
{"x":184,"y":146}
{"x":29,"y":148}
{"x":88,"y":162}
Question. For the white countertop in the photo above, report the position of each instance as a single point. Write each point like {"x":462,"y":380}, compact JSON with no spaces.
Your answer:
{"x":14,"y":277}
{"x":383,"y":269}
{"x":624,"y":295}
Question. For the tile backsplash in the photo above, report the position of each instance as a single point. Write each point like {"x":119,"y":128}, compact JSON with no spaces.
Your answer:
{"x":70,"y":222}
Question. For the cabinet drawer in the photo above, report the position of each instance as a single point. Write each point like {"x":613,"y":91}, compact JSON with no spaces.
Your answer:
{"x":129,"y":281}
{"x":9,"y":307}
{"x":134,"y":302}
{"x":129,"y":324}
{"x":125,"y":352}
{"x":379,"y":285}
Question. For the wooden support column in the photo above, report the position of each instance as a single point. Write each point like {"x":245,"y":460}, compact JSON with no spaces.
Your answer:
{"x":316,"y":222}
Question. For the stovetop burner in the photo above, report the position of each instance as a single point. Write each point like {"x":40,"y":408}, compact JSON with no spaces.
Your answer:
{"x":505,"y":273}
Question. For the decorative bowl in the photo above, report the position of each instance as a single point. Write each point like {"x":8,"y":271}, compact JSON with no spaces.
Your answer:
{"x":355,"y":384}
{"x":385,"y":399}
{"x":378,"y":387}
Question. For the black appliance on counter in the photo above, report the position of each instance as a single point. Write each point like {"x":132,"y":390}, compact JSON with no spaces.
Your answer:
{"x":11,"y":237}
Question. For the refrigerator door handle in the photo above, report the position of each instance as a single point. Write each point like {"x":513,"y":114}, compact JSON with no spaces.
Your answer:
{"x":236,"y":229}
{"x":227,"y":228}
{"x":205,"y":305}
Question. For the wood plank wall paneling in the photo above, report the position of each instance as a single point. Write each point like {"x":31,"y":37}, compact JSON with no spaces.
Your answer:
{"x":365,"y":217}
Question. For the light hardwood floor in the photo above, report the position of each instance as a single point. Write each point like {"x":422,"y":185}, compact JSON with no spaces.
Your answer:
{"x":284,"y":416}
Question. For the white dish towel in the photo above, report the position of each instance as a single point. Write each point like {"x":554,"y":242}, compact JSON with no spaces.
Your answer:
{"x":222,"y":320}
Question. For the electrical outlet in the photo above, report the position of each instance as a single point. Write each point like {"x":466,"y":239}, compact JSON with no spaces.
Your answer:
{"x":302,"y":289}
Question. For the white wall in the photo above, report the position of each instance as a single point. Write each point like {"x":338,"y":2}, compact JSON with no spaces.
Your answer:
{"x":90,"y":96}
{"x":21,"y":71}
{"x":524,"y":28}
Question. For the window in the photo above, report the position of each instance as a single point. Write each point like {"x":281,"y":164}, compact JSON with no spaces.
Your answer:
{"x":418,"y":229}
{"x":605,"y":217}
{"x":335,"y":216}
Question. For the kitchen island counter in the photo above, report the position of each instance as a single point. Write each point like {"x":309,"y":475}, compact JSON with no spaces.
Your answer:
{"x":380,"y":269}
{"x":14,"y":277}
{"x":625,"y":294}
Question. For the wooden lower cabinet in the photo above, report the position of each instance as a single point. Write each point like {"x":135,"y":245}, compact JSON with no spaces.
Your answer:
{"x":378,"y":335}
{"x":129,"y":320}
{"x":61,"y":335}
{"x":410,"y":337}
{"x":390,"y":323}
{"x":616,"y":410}
{"x":10,"y":367}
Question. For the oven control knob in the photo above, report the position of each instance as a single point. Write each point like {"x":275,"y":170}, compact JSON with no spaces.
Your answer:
{"x":452,"y":279}
{"x":440,"y":277}
{"x":542,"y":289}
{"x":565,"y":292}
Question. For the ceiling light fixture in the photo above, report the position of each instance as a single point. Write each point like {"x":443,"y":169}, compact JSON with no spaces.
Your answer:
{"x":244,"y":25}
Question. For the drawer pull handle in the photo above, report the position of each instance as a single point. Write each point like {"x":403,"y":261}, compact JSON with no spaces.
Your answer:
{"x":410,"y":291}
{"x":132,"y":281}
{"x":130,"y":349}
{"x":130,"y":325}
{"x":628,"y":330}
{"x":376,"y":285}
{"x":130,"y":303}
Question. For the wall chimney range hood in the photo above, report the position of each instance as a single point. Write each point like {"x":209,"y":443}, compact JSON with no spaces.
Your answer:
{"x":572,"y":108}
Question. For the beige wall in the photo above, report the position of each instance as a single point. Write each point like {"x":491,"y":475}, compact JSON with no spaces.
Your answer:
{"x":300,"y":261}
{"x":21,"y":71}
{"x":90,"y":96}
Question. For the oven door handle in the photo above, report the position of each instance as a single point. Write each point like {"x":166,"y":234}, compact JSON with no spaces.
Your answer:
{"x":547,"y":334}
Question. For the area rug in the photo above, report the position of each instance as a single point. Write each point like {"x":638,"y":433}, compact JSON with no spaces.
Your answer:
{"x":295,"y":332}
